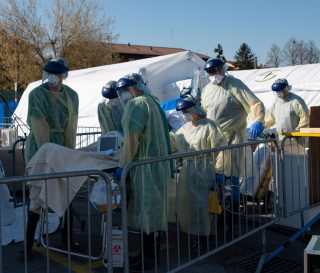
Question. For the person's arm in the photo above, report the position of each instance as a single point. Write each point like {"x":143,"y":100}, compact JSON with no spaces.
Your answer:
{"x":70,"y":134}
{"x":178,"y":141}
{"x":270,"y":119}
{"x":252,"y":105}
{"x":173,"y":142}
{"x":40,"y":130}
{"x":101,"y":111}
{"x":223,"y":158}
{"x":133,"y":121}
{"x":302,"y":111}
{"x":37,"y":119}
{"x":129,"y":148}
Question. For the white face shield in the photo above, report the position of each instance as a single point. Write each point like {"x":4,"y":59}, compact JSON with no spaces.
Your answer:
{"x":124,"y":97}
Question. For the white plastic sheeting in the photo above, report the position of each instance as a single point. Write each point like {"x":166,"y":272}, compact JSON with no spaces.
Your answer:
{"x":160,"y":74}
{"x":7,"y":211}
{"x":15,"y":231}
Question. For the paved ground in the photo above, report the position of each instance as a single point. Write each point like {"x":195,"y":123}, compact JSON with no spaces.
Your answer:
{"x":242,"y":257}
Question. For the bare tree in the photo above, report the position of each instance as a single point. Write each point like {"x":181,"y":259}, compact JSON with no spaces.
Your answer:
{"x":301,"y":52}
{"x":292,"y":52}
{"x":16,"y":62}
{"x":274,"y":57}
{"x":55,"y":31}
{"x":312,"y":53}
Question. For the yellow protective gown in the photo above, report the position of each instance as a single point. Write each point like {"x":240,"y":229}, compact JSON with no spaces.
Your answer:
{"x":288,"y":114}
{"x":109,"y":114}
{"x":229,"y":106}
{"x":146,"y":135}
{"x":197,"y":174}
{"x":52,"y":117}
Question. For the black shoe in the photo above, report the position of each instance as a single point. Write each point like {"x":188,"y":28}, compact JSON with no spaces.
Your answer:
{"x":137,"y":267}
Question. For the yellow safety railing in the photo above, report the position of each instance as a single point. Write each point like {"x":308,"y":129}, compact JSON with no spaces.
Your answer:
{"x":298,"y":134}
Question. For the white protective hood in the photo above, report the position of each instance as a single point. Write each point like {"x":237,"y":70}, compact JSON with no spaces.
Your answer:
{"x":160,"y":73}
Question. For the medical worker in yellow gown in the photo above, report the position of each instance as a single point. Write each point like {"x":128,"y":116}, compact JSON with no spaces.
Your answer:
{"x":146,"y":135}
{"x":198,"y":174}
{"x":288,"y":112}
{"x":228,"y":102}
{"x":52,"y":117}
{"x":110,"y":110}
{"x":52,"y":111}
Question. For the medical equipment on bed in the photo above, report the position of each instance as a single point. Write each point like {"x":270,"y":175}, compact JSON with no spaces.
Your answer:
{"x":110,"y":143}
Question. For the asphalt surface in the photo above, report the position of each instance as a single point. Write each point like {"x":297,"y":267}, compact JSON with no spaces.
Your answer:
{"x":241,"y":257}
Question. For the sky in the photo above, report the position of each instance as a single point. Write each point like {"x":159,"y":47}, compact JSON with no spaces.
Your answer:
{"x":200,"y":25}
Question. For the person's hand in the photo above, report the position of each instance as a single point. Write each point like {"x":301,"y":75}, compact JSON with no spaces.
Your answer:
{"x":256,"y":129}
{"x":219,"y":179}
{"x":118,"y":173}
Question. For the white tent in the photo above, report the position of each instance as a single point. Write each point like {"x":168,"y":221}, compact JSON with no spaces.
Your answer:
{"x":162,"y":75}
{"x":166,"y":75}
{"x":305,"y":81}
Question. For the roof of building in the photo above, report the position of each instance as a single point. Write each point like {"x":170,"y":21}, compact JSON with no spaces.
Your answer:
{"x":149,"y":50}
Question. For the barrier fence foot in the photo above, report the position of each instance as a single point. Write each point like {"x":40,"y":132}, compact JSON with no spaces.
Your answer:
{"x":261,"y":263}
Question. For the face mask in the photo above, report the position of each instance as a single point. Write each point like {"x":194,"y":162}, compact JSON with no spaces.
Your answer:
{"x":53,"y":79}
{"x":187,"y":117}
{"x":125,"y":96}
{"x":216,"y":79}
{"x":114,"y":102}
{"x":280,"y":95}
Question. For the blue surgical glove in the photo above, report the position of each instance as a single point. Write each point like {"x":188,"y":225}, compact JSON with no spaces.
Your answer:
{"x":219,"y":184}
{"x":256,"y":129}
{"x":118,"y":173}
{"x":219,"y":179}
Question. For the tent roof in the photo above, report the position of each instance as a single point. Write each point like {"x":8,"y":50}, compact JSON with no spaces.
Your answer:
{"x":305,"y":81}
{"x":158,"y":72}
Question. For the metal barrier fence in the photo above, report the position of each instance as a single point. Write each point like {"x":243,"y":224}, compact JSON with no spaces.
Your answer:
{"x":96,"y":243}
{"x":300,"y":162}
{"x":181,"y":219}
{"x":86,"y":135}
{"x":86,"y":139}
{"x":299,"y":191}
{"x":174,"y":212}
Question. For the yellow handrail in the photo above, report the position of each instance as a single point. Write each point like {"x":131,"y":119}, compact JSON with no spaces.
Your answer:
{"x":298,"y":134}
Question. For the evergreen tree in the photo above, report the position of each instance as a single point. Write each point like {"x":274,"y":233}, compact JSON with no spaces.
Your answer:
{"x":245,"y":58}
